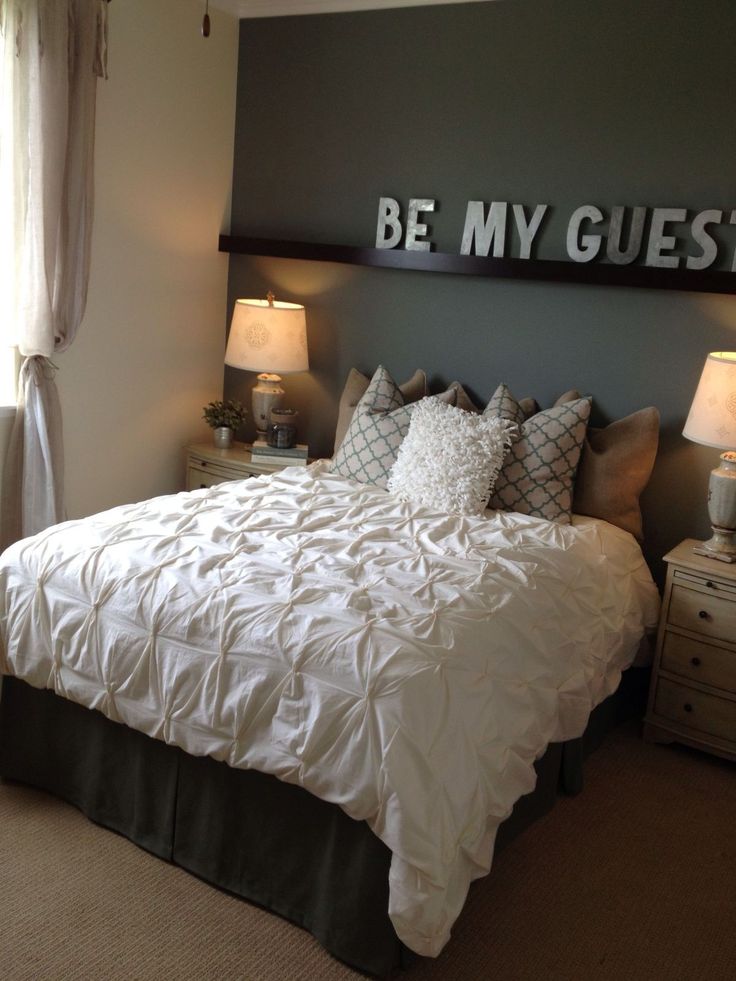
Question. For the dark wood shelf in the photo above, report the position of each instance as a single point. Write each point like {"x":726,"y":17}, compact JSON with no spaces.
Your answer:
{"x":599,"y":274}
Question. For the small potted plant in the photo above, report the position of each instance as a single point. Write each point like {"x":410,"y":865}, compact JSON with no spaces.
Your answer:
{"x":224,"y":418}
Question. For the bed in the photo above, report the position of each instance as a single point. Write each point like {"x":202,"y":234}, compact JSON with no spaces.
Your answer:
{"x":316,"y":694}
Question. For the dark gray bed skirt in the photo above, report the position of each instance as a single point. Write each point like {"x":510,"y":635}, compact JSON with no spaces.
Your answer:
{"x":269,"y":842}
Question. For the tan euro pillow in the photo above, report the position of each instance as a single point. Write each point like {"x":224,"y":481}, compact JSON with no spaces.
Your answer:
{"x":462,"y":399}
{"x":528,"y":406}
{"x":568,"y":396}
{"x":615,"y":467}
{"x":355,"y":388}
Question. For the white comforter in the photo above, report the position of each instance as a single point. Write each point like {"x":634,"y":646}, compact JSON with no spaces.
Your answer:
{"x":408,"y":665}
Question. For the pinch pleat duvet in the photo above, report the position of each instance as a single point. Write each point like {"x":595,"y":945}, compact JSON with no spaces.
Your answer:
{"x":406,"y":664}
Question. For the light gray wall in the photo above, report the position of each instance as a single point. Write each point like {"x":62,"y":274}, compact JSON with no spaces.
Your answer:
{"x":548,"y":101}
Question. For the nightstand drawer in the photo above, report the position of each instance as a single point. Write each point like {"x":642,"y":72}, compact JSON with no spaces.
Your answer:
{"x":709,"y":584}
{"x":703,"y":613}
{"x":696,"y":710}
{"x":699,"y":661}
{"x":198,"y":477}
{"x":208,"y":465}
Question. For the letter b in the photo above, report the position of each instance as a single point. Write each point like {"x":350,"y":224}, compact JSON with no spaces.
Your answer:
{"x":388,"y":218}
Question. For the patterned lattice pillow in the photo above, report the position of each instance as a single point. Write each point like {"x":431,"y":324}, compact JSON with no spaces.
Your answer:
{"x":502,"y":403}
{"x":538,"y":475}
{"x":450,"y":458}
{"x":356,"y":386}
{"x":376,"y":431}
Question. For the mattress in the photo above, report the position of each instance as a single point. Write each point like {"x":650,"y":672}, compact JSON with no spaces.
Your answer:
{"x":405,"y":664}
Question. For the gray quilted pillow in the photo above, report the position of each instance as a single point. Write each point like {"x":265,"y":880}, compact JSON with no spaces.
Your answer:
{"x":538,"y":475}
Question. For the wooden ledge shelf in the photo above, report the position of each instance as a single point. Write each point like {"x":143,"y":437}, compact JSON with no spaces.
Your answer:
{"x":555,"y":271}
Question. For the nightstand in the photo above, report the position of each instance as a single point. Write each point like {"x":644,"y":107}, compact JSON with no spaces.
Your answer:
{"x":208,"y":465}
{"x":692,"y":697}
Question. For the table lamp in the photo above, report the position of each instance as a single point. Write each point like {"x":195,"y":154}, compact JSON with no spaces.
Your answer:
{"x":712,"y":422}
{"x":270,"y":337}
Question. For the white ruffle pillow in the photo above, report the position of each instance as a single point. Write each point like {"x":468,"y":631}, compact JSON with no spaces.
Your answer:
{"x":450,"y":459}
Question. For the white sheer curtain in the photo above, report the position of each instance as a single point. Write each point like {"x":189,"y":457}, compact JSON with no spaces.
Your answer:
{"x":52,"y":53}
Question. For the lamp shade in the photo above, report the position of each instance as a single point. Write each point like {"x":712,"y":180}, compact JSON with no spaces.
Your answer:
{"x":268,"y":336}
{"x":712,"y":417}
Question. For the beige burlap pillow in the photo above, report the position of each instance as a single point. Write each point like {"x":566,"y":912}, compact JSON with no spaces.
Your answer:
{"x":615,"y":467}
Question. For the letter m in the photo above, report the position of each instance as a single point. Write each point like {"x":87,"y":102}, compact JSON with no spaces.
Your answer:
{"x":485,"y":230}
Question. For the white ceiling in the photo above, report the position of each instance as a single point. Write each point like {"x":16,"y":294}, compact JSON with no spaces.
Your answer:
{"x":279,"y":8}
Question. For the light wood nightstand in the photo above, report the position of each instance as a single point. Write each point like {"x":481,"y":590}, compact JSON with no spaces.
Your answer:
{"x":692,"y":697}
{"x":208,"y":465}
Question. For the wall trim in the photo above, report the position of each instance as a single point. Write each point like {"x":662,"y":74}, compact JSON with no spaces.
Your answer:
{"x":283,"y":8}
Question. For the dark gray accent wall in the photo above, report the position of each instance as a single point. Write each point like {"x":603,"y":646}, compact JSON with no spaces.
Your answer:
{"x":563,"y":102}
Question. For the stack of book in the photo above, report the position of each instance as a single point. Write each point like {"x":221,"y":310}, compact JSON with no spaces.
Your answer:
{"x":293,"y":456}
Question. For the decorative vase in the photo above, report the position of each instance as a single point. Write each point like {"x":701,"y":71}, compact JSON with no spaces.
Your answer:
{"x":223,"y":436}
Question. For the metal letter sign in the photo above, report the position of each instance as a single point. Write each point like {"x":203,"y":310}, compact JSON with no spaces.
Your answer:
{"x":388,"y":217}
{"x":485,"y":232}
{"x":656,"y":248}
{"x":615,"y":253}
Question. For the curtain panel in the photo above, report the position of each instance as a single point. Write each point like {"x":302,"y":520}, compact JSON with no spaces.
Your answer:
{"x":53,"y":51}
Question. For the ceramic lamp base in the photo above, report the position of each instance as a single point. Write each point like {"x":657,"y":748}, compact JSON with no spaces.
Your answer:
{"x":722,"y":511}
{"x":721,"y":546}
{"x":267,"y":394}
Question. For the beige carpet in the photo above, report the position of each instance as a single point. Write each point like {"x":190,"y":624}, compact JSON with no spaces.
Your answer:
{"x":634,"y":879}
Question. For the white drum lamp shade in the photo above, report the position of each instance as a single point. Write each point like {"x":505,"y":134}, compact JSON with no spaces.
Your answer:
{"x":269,"y":337}
{"x":712,"y":422}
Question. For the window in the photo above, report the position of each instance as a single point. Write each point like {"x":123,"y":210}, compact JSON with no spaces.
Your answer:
{"x":8,"y":376}
{"x":8,"y":354}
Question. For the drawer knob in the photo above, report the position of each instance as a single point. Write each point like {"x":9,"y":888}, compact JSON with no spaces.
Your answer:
{"x":695,"y":661}
{"x":703,"y":614}
{"x":688,"y":707}
{"x":709,"y":584}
